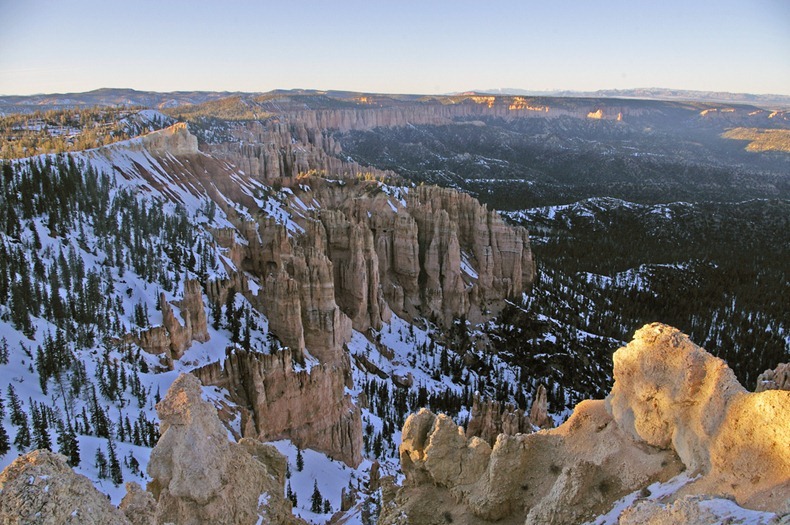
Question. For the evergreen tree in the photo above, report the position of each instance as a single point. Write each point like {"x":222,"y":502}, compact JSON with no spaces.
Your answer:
{"x":316,"y":500}
{"x":233,"y":316}
{"x":68,"y":444}
{"x":22,"y":439}
{"x":3,"y":349}
{"x":216,"y":314}
{"x":4,"y":443}
{"x":116,"y":475}
{"x":101,"y":464}
{"x":299,"y":460}
{"x":327,"y":506}
{"x":40,"y":427}
{"x":15,"y":405}
{"x":291,"y":495}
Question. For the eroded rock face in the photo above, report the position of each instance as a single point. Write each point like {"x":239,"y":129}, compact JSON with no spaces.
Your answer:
{"x":175,"y":140}
{"x":776,"y":379}
{"x":558,"y":476}
{"x":672,"y":407}
{"x":539,"y":411}
{"x":309,"y":408}
{"x":201,"y":477}
{"x":138,"y":505}
{"x":173,"y":338}
{"x":671,"y":394}
{"x":488,"y":419}
{"x":40,"y":488}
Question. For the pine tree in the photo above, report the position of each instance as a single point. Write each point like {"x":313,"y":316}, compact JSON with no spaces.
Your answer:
{"x":116,"y":475}
{"x":299,"y":460}
{"x":68,"y":444}
{"x":4,"y":443}
{"x":40,"y":427}
{"x":316,"y":500}
{"x":291,"y":495}
{"x":22,"y":439}
{"x":101,"y":464}
{"x":15,"y":405}
{"x":327,"y":506}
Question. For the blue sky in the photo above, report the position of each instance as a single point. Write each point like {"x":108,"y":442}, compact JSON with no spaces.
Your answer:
{"x":406,"y":46}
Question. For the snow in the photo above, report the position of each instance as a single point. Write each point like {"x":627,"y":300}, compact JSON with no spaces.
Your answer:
{"x":331,"y":477}
{"x":466,"y":267}
{"x":724,"y":510}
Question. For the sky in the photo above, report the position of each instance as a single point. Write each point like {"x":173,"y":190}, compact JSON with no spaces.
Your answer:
{"x":405,"y":46}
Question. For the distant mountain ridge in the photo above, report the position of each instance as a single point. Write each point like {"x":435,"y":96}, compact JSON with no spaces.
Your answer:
{"x":770,"y":100}
{"x":164,"y":100}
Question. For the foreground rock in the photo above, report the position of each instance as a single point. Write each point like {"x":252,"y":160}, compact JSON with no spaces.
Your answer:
{"x":673,"y":407}
{"x":40,"y":488}
{"x":201,"y":477}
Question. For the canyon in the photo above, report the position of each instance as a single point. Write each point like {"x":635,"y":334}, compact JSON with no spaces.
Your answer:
{"x":305,"y":293}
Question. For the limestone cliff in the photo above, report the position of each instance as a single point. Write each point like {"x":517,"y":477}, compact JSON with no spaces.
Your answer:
{"x":175,"y":140}
{"x":308,"y":407}
{"x":201,"y":477}
{"x":428,"y":252}
{"x":40,"y":488}
{"x":672,"y":407}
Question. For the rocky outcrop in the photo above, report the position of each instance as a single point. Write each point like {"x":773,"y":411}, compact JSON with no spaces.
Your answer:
{"x":310,"y":408}
{"x":350,"y":247}
{"x":671,"y":394}
{"x":557,"y":476}
{"x":201,"y":477}
{"x":461,"y":242}
{"x":40,"y":488}
{"x":672,"y":407}
{"x":138,"y":505}
{"x":430,"y":252}
{"x":539,"y":411}
{"x":694,"y":510}
{"x":192,"y":308}
{"x":174,"y":140}
{"x":173,"y":338}
{"x":776,"y":379}
{"x":488,"y":419}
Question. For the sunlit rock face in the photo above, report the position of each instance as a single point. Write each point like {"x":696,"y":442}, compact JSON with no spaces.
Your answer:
{"x":673,"y":407}
{"x":176,"y":140}
{"x":671,"y":394}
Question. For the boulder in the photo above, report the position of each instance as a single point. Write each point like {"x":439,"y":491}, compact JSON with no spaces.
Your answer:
{"x":40,"y":488}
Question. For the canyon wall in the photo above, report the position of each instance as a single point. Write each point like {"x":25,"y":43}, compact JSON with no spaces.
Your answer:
{"x":330,"y":254}
{"x":310,"y":408}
